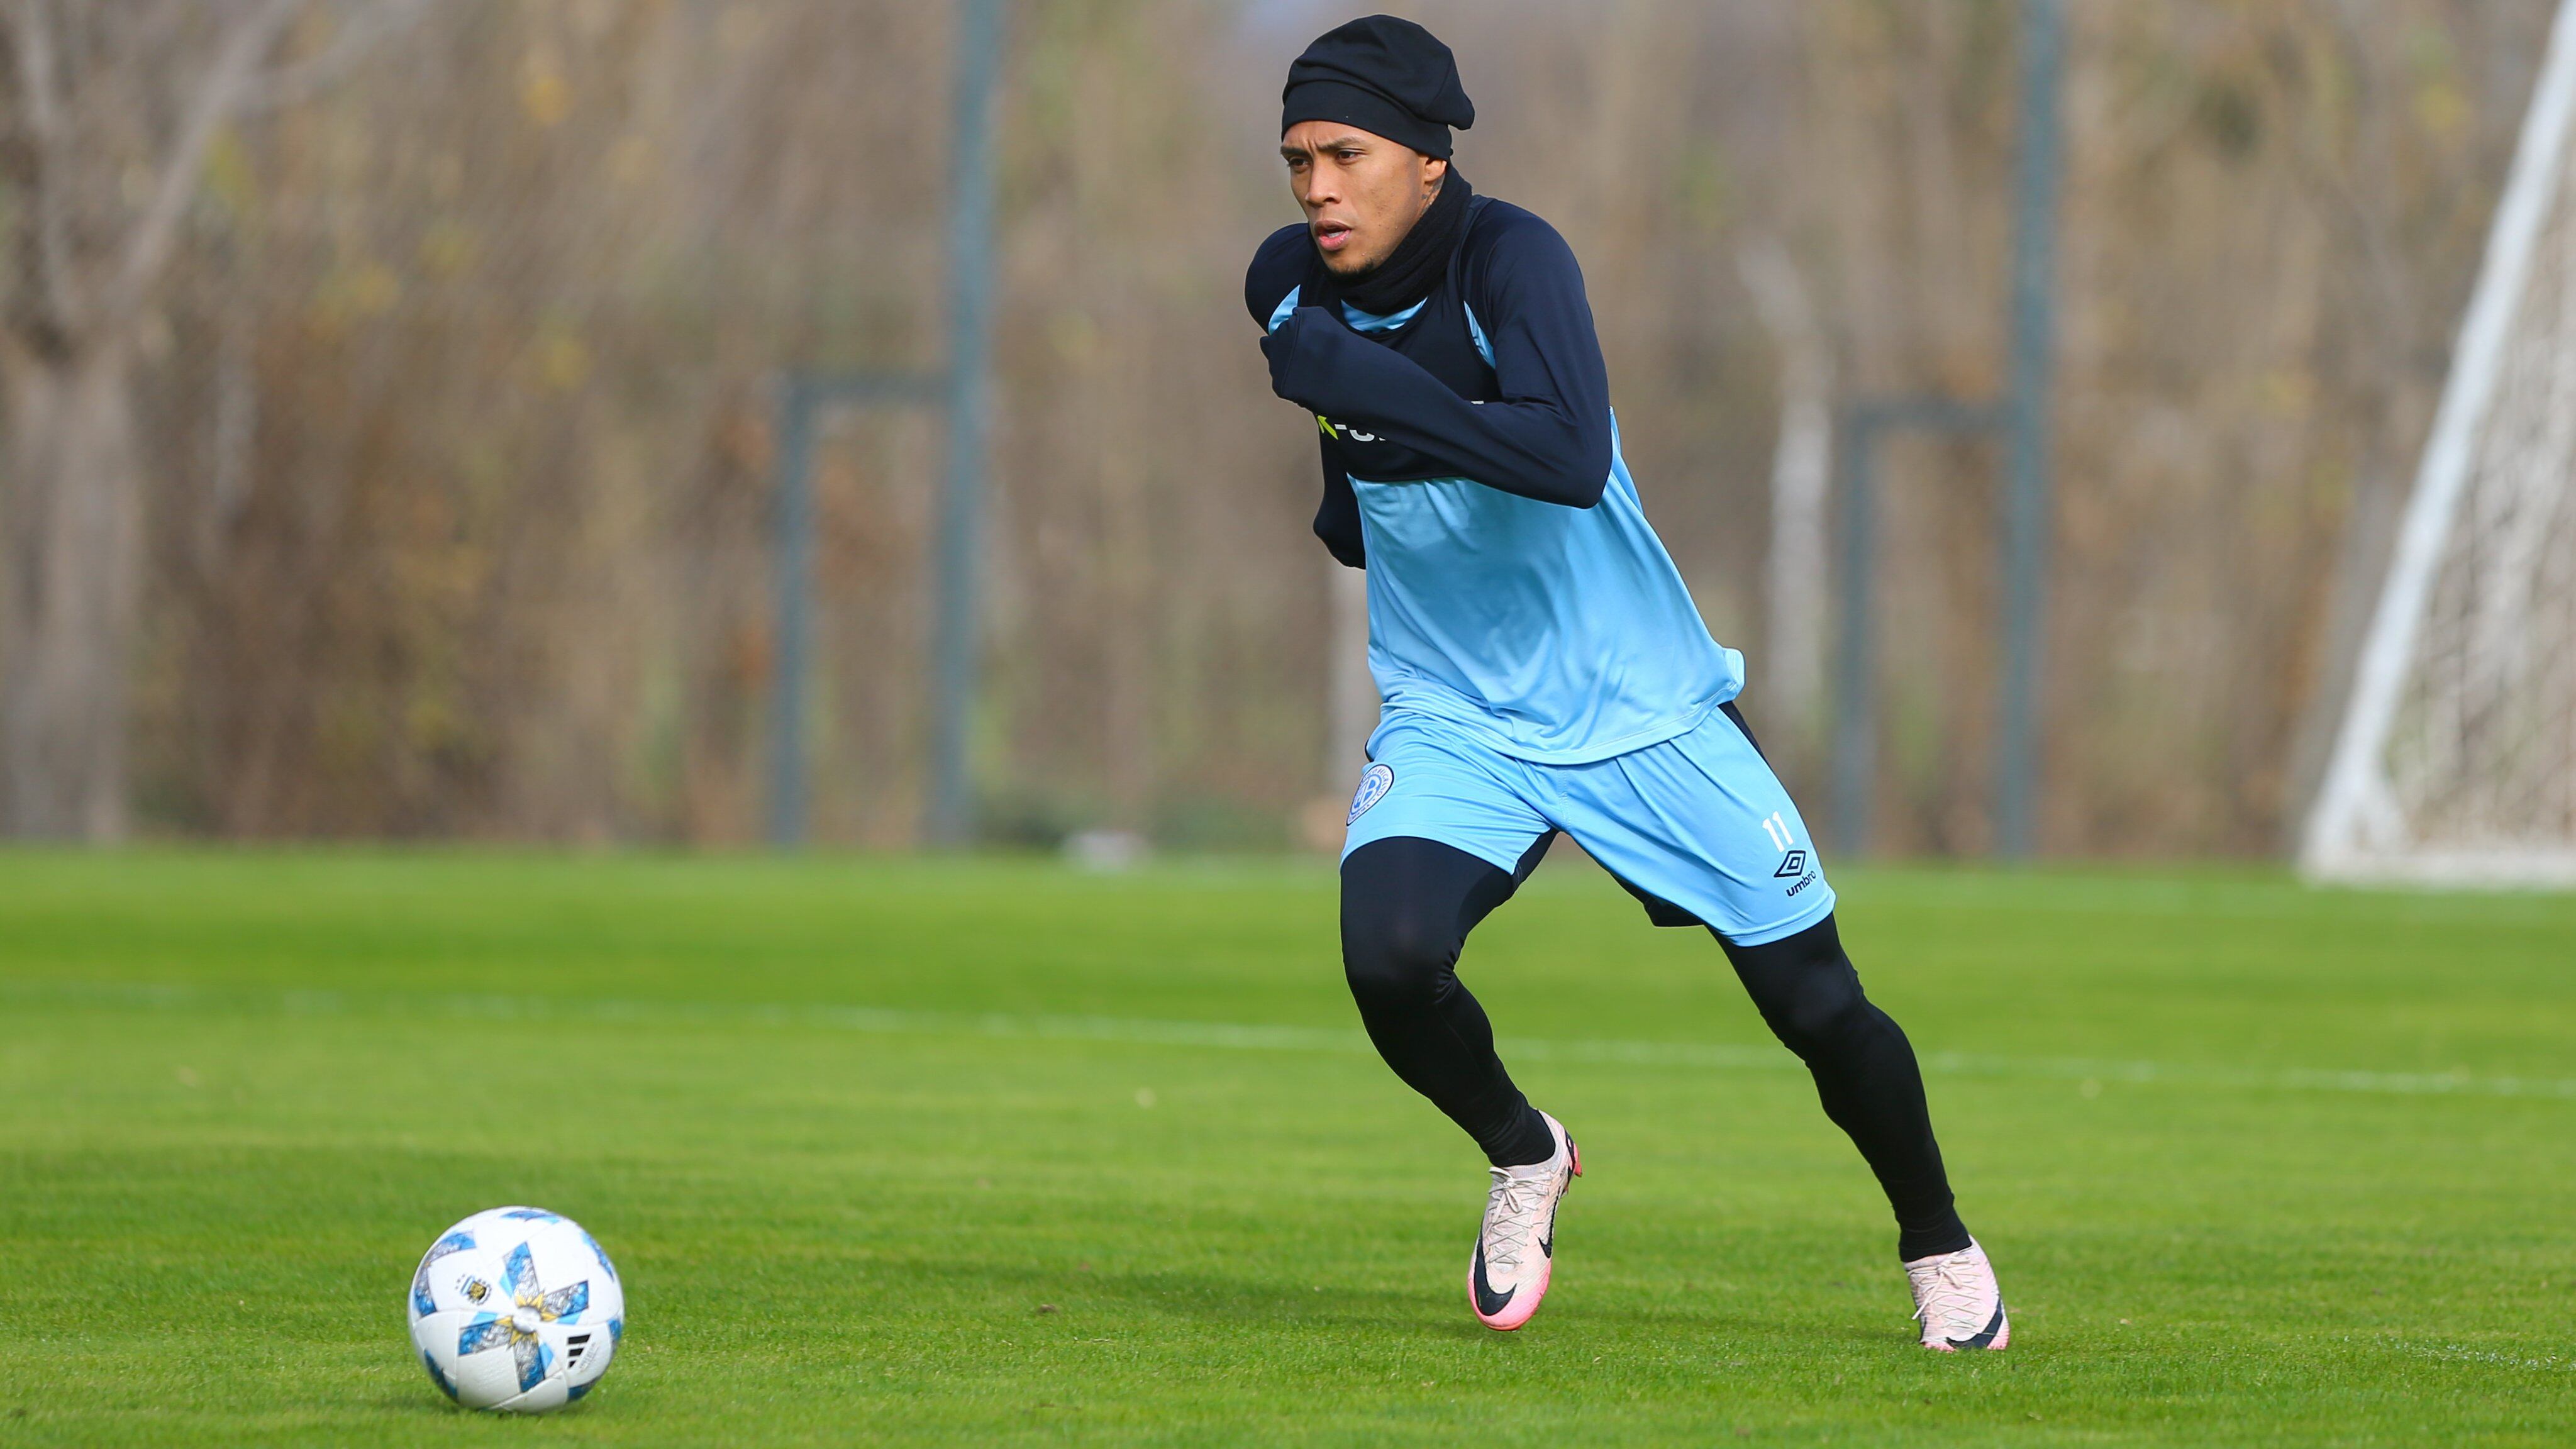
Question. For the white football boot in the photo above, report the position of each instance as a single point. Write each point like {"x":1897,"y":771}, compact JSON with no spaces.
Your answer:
{"x":1958,"y":1301}
{"x":1516,"y":1249}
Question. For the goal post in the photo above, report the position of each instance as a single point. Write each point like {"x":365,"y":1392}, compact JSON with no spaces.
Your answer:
{"x":2454,"y":761}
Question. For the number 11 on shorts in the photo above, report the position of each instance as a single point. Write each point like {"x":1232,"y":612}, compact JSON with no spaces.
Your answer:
{"x":1778,"y":830}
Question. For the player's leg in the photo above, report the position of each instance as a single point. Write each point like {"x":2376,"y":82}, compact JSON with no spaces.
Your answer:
{"x":1866,"y":1076}
{"x":1701,"y":828}
{"x":1439,"y":838}
{"x":1407,"y":906}
{"x":1871,"y":1086}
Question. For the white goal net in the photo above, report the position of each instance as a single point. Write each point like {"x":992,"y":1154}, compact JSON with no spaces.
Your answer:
{"x":2455,"y":761}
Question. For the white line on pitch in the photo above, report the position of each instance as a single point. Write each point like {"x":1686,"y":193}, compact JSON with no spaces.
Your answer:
{"x":1230,"y":1036}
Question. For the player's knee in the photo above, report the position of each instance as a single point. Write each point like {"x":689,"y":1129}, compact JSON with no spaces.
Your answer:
{"x":1806,"y":989}
{"x":1821,"y":1006}
{"x":1398,"y":955}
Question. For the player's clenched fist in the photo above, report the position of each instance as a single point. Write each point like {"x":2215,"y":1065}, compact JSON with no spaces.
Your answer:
{"x":1302,"y":351}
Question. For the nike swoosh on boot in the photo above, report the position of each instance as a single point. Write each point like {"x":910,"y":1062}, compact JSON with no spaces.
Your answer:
{"x":1986,"y":1338}
{"x":1489,"y":1302}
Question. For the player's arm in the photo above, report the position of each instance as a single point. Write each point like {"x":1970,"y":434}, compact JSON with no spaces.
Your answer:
{"x":1337,"y":519}
{"x":1547,"y":437}
{"x":1275,"y":269}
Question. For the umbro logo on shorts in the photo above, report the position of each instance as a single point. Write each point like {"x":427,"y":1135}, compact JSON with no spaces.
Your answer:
{"x":1374,"y":784}
{"x":1794,"y":864}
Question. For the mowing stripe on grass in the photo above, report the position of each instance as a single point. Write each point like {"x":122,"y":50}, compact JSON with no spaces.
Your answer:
{"x":1231,"y":1036}
{"x":2456,"y":1353}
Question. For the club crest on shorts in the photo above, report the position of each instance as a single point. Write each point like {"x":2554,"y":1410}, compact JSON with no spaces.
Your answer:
{"x":1374,"y":783}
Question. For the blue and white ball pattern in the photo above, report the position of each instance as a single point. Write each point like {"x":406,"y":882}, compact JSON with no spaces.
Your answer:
{"x":516,"y":1309}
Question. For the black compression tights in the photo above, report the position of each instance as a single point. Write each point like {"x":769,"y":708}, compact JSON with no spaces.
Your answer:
{"x":1407,"y":906}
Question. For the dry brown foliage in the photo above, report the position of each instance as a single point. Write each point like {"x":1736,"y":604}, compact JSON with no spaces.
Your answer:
{"x":457,"y":405}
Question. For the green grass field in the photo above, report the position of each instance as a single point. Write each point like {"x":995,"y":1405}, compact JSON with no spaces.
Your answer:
{"x":999,"y":1153}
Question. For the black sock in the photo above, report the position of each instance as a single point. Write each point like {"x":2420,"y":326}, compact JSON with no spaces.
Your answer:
{"x":1926,"y":1223}
{"x":1529,"y":1142}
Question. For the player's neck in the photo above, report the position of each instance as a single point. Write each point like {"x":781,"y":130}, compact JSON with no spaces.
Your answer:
{"x":1418,"y":261}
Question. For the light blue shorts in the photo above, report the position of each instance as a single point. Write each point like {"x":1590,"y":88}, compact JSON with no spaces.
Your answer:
{"x":1697,"y":826}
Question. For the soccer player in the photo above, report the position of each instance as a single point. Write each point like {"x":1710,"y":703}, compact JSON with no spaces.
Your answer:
{"x":1541,"y":666}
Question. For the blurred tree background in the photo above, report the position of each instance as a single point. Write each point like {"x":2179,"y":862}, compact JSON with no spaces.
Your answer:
{"x":442,"y":438}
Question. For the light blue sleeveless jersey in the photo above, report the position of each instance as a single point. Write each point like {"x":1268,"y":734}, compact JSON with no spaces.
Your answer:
{"x":1553,"y":634}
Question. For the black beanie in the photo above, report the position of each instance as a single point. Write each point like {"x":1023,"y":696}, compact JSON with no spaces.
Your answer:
{"x":1389,"y":77}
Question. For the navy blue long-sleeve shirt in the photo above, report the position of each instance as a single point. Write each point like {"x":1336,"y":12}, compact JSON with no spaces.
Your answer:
{"x":1544,"y":433}
{"x":1516,"y":593}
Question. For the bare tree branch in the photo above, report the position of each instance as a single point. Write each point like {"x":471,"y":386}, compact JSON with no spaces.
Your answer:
{"x":1801,"y":474}
{"x":44,"y":115}
{"x":373,"y":25}
{"x":219,"y":91}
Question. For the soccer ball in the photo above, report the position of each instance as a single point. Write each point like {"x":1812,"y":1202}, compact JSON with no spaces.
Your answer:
{"x":516,"y":1309}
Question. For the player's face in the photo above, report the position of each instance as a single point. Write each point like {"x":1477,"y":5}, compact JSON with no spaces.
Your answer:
{"x":1361,"y":192}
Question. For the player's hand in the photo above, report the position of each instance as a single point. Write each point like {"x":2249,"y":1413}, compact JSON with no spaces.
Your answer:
{"x":1301,"y":350}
